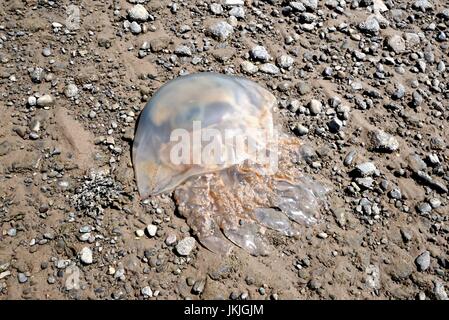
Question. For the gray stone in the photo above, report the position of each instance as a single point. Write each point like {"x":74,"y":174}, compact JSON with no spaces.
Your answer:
{"x":422,"y":5}
{"x":335,"y":125}
{"x":86,"y":255}
{"x":424,"y":208}
{"x":151,"y":229}
{"x":285,"y":61}
{"x":135,"y":27}
{"x":45,"y":101}
{"x":366,"y":169}
{"x":237,"y":12}
{"x":315,"y":106}
{"x":260,"y":53}
{"x":269,"y":68}
{"x":147,"y":292}
{"x":22,"y":277}
{"x":396,"y":43}
{"x":138,"y":13}
{"x":423,"y":261}
{"x":183,"y":50}
{"x":439,"y":292}
{"x":71,"y":90}
{"x":216,"y":8}
{"x":185,"y":246}
{"x":248,"y":67}
{"x":382,"y":141}
{"x":370,"y":25}
{"x":220,"y":31}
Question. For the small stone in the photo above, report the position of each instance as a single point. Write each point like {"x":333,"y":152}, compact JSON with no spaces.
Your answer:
{"x":220,"y":31}
{"x":260,"y":53}
{"x":382,"y":141}
{"x":422,"y":5}
{"x":396,"y":43}
{"x":138,"y":13}
{"x":231,"y":3}
{"x":198,"y":286}
{"x":46,"y":52}
{"x":135,"y":27}
{"x":438,"y":290}
{"x":435,"y":203}
{"x":424,"y":208}
{"x":140,"y":233}
{"x":147,"y":292}
{"x":216,"y":8}
{"x":237,"y":12}
{"x":22,"y":277}
{"x":322,"y":235}
{"x":151,"y":229}
{"x":248,"y":67}
{"x":302,"y":130}
{"x":366,"y":169}
{"x":71,"y":90}
{"x":12,"y":232}
{"x":395,"y":194}
{"x":185,"y":246}
{"x":32,"y":101}
{"x":423,"y":261}
{"x":285,"y":61}
{"x":269,"y":68}
{"x":183,"y":51}
{"x":315,"y":106}
{"x":86,"y":255}
{"x":170,"y":240}
{"x":335,"y":125}
{"x":45,"y":101}
{"x":370,"y":25}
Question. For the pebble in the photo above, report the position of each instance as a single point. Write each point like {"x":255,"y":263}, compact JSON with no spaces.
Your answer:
{"x":259,"y":53}
{"x":86,"y":255}
{"x":383,"y":142}
{"x":269,"y":68}
{"x":147,"y":292}
{"x":183,"y":51}
{"x":423,"y":261}
{"x":238,"y":12}
{"x":396,"y":43}
{"x":366,"y":169}
{"x":216,"y":8}
{"x":335,"y":125}
{"x":71,"y":90}
{"x":198,"y":286}
{"x":135,"y":27}
{"x":185,"y":246}
{"x":438,"y":290}
{"x":138,"y":13}
{"x":370,"y":25}
{"x":220,"y":31}
{"x":45,"y":101}
{"x":22,"y":277}
{"x":248,"y":67}
{"x":315,"y":106}
{"x":285,"y":61}
{"x":151,"y":229}
{"x":140,"y":233}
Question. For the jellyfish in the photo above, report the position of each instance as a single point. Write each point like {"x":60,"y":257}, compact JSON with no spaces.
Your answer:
{"x":213,"y":142}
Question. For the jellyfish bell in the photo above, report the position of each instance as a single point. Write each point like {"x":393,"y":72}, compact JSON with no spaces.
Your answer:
{"x":206,"y":136}
{"x":204,"y":107}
